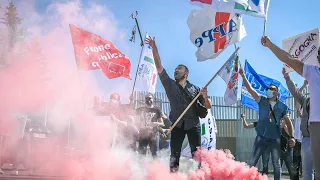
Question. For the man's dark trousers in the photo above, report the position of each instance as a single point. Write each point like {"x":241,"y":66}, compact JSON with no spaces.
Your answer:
{"x":177,"y":137}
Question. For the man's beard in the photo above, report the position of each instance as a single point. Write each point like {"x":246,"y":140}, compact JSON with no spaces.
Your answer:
{"x":178,"y":79}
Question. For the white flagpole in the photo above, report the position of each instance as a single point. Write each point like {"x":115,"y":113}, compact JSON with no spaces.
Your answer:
{"x":265,"y":19}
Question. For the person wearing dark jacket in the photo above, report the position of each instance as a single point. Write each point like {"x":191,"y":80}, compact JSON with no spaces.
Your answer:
{"x":179,"y":92}
{"x":304,"y":101}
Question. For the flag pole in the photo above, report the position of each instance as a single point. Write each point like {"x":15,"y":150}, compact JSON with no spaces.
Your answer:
{"x":265,"y":18}
{"x":78,"y":73}
{"x":134,"y":16}
{"x":264,"y":27}
{"x":195,"y":98}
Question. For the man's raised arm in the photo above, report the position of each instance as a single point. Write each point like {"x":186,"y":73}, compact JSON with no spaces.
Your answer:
{"x":290,"y":129}
{"x":156,"y":56}
{"x":305,"y":83}
{"x":253,"y":93}
{"x":298,"y":96}
{"x":283,"y":55}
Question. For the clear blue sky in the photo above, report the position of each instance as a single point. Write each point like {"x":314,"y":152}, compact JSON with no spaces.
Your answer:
{"x":166,"y":20}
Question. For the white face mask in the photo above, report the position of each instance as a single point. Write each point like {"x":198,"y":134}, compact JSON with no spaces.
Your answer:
{"x":113,"y":101}
{"x":269,"y":93}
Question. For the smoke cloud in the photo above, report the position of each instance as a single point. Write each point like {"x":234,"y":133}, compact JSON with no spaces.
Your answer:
{"x":41,"y":74}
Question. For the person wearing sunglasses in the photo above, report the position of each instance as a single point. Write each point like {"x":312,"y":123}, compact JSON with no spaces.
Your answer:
{"x":312,"y":74}
{"x":271,"y":111}
{"x":266,"y":155}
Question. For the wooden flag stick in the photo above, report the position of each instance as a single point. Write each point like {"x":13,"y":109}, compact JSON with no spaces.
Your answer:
{"x":195,"y":98}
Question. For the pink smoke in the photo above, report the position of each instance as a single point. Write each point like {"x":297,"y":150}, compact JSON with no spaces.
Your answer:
{"x":23,"y":90}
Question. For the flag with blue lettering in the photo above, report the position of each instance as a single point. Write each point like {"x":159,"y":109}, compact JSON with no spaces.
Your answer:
{"x":212,"y":32}
{"x":259,"y":83}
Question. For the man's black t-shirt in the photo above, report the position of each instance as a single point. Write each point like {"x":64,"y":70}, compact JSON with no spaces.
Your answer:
{"x":146,"y":116}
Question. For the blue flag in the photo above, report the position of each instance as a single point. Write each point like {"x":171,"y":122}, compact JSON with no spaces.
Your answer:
{"x":259,"y":83}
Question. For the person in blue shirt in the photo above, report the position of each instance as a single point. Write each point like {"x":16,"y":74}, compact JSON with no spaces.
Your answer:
{"x":271,"y":111}
{"x":265,"y":156}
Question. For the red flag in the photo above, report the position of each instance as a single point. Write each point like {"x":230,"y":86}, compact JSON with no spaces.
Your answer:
{"x":92,"y":52}
{"x":203,"y":1}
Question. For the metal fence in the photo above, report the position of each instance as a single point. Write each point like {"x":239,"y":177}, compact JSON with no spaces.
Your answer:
{"x":231,"y":135}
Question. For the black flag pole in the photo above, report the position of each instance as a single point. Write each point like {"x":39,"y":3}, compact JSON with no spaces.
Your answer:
{"x":134,"y":16}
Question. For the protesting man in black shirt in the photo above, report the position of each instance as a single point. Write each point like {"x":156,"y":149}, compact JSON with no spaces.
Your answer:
{"x":149,"y":121}
{"x":180,"y":93}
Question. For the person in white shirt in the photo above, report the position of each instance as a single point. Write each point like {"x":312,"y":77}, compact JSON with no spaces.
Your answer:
{"x":312,"y":74}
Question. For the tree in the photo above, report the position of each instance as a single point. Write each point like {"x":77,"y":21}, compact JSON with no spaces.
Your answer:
{"x":38,"y":64}
{"x":11,"y":37}
{"x":11,"y":20}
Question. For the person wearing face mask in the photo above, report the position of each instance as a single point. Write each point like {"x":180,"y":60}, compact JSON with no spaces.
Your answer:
{"x":118,"y":114}
{"x":149,"y":121}
{"x":265,"y":156}
{"x":271,"y":111}
{"x":180,"y":93}
{"x":312,"y":74}
{"x":114,"y":107}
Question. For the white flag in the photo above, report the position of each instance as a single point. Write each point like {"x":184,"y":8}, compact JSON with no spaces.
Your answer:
{"x":147,"y":72}
{"x":208,"y":135}
{"x":229,"y":73}
{"x":303,"y":47}
{"x":257,"y":8}
{"x":213,"y":32}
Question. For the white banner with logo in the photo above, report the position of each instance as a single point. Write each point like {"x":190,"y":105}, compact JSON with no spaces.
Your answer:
{"x":303,"y":47}
{"x":147,"y":72}
{"x":229,"y":73}
{"x":208,"y":136}
{"x":212,"y":32}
